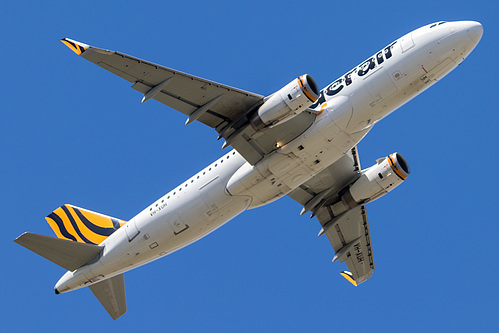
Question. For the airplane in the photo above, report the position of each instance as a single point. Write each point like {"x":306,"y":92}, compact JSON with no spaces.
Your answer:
{"x":300,"y":142}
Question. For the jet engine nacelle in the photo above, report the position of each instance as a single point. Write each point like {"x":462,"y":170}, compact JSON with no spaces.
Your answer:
{"x":286,"y":103}
{"x":373,"y":183}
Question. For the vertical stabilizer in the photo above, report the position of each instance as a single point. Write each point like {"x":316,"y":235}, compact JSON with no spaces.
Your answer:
{"x":81,"y":225}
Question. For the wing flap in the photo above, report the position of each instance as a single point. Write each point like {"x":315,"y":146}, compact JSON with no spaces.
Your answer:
{"x":210,"y":118}
{"x":187,"y":93}
{"x":349,"y":232}
{"x":192,"y":90}
{"x":352,"y":229}
{"x":111,"y":294}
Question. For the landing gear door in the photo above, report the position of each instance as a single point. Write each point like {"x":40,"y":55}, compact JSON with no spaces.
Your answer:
{"x":131,"y":230}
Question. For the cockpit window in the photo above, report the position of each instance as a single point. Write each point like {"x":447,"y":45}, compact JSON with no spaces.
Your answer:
{"x":434,"y":25}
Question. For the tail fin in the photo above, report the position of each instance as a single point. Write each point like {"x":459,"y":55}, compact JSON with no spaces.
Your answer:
{"x":72,"y":255}
{"x":81,"y":225}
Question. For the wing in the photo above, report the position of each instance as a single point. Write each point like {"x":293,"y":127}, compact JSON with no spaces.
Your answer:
{"x":224,"y":108}
{"x":348,"y":233}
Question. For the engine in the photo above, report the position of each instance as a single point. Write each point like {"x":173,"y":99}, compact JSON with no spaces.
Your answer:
{"x":373,"y":183}
{"x":286,"y":103}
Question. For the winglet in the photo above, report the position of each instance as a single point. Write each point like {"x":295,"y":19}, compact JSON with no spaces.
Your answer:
{"x":75,"y":46}
{"x":347,"y":275}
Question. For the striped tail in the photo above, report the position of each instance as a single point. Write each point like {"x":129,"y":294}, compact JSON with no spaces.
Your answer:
{"x":81,"y":225}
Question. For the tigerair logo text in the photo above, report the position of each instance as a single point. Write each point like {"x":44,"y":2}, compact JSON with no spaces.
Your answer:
{"x":361,"y":70}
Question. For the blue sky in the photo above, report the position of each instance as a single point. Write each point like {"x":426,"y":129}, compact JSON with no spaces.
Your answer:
{"x":73,"y":133}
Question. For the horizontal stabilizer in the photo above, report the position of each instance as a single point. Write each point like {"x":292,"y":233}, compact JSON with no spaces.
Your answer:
{"x":111,"y":294}
{"x":67,"y":254}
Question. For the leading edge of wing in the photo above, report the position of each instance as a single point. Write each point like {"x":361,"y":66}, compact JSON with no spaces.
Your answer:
{"x":80,"y":48}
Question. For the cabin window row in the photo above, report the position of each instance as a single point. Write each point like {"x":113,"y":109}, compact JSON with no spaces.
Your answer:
{"x":192,"y":180}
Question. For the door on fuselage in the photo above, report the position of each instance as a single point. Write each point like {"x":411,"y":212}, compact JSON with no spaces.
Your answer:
{"x":131,"y":230}
{"x":177,"y":224}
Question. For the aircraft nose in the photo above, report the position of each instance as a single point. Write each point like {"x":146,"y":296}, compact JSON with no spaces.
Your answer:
{"x":474,"y":30}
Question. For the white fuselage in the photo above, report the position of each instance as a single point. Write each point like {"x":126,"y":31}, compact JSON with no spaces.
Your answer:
{"x":351,"y":105}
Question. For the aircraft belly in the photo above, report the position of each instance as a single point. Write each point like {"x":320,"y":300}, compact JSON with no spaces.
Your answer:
{"x":293,"y":164}
{"x":159,"y":238}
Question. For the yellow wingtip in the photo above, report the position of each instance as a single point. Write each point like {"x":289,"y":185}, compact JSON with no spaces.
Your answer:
{"x":349,"y":277}
{"x":74,"y":46}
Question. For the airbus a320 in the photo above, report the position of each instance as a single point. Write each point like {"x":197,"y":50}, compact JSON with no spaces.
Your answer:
{"x":299,"y":141}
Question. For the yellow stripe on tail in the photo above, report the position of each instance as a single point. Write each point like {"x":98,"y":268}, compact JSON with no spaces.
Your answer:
{"x":81,"y":225}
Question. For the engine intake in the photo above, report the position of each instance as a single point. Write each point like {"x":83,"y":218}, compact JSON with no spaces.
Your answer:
{"x":286,"y":103}
{"x":373,"y":183}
